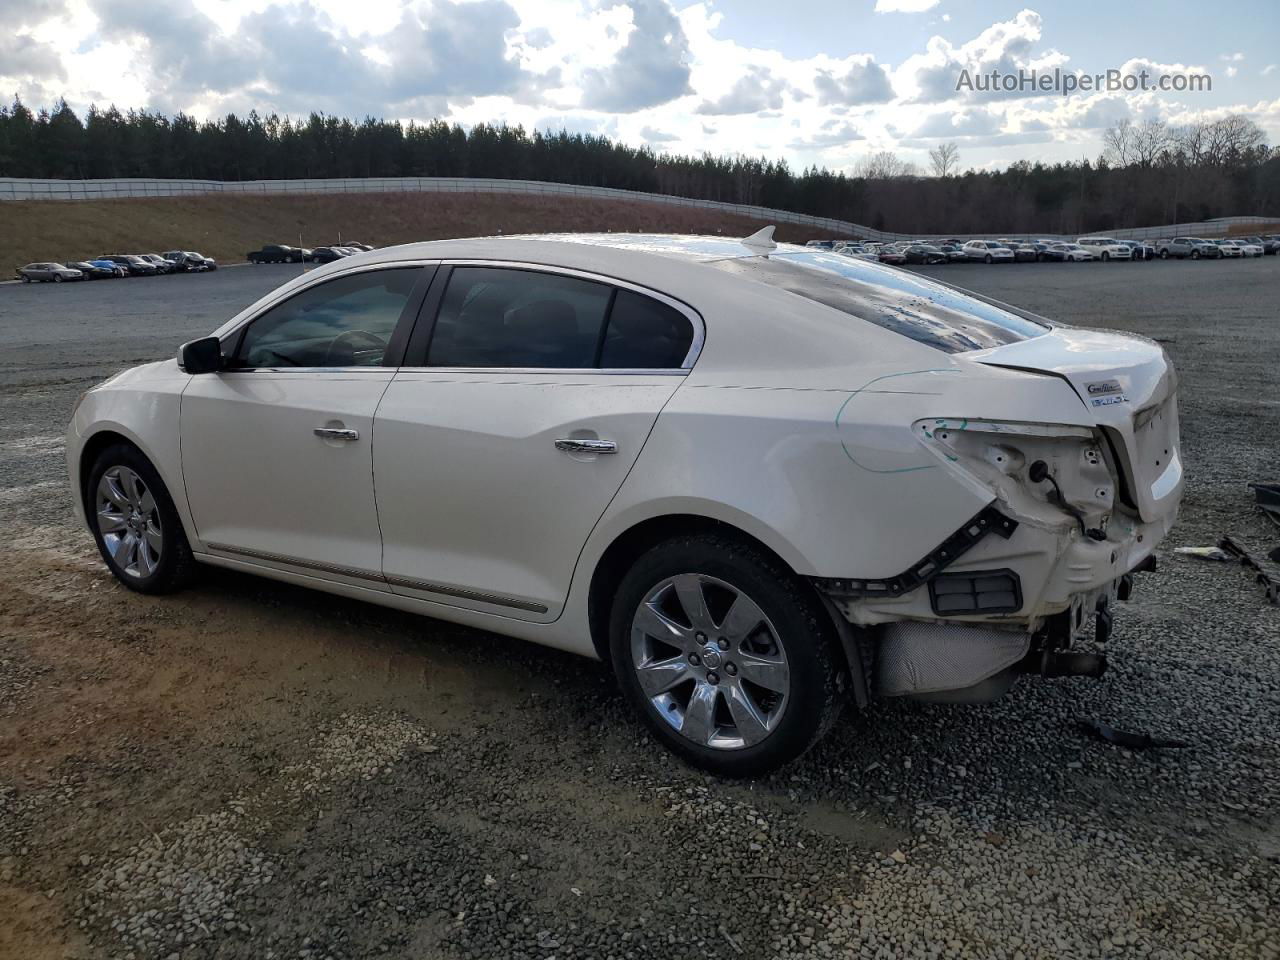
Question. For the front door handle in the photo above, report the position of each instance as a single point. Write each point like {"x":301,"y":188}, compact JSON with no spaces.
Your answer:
{"x":586,"y":446}
{"x":336,"y":433}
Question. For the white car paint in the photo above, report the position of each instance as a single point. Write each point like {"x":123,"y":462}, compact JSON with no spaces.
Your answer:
{"x":1106,"y":248}
{"x":848,"y":449}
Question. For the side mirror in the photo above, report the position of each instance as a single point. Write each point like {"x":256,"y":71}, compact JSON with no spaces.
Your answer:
{"x":201,"y":356}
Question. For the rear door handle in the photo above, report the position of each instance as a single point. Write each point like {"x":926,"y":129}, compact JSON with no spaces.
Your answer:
{"x":586,"y":446}
{"x":336,"y":433}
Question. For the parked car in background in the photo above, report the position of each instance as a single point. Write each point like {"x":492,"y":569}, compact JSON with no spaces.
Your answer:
{"x":45,"y":272}
{"x":891,"y":254}
{"x":328,"y":254}
{"x":924,"y":254}
{"x":136,"y":266}
{"x":1195,"y":248}
{"x":821,"y":244}
{"x":1075,"y":253}
{"x":207,"y":262}
{"x":1251,"y":246}
{"x":1271,"y":244}
{"x":183,"y":262}
{"x":119,"y":269}
{"x":278,"y":253}
{"x":1230,"y":249}
{"x":91,"y":270}
{"x":161,"y":264}
{"x":953,"y":251}
{"x":1025,"y":253}
{"x":1141,"y":250}
{"x":1106,"y":248}
{"x":361,"y":247}
{"x":988,"y":251}
{"x":1036,"y":477}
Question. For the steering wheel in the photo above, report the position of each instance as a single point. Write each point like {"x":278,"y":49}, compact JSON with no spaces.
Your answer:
{"x":347,"y":335}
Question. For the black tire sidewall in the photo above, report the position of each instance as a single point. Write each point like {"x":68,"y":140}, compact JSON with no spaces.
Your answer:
{"x":175,"y":553}
{"x":804,"y":629}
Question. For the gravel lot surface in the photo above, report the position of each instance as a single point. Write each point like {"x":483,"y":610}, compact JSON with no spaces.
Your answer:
{"x":253,"y":770}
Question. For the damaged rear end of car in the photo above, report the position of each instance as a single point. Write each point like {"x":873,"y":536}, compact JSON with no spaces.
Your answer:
{"x":1031,"y":467}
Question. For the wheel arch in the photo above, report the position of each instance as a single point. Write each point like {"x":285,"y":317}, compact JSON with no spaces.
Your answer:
{"x":629,"y":545}
{"x":107,"y":434}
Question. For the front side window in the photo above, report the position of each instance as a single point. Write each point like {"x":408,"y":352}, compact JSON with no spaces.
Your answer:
{"x":346,"y":322}
{"x":498,"y":317}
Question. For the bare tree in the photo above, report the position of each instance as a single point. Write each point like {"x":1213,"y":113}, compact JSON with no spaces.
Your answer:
{"x":1231,"y":141}
{"x":1149,"y":142}
{"x":1118,"y":143}
{"x":945,"y":158}
{"x":884,"y":165}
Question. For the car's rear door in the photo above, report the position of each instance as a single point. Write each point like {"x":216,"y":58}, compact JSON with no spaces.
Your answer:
{"x":277,"y":449}
{"x":525,"y":399}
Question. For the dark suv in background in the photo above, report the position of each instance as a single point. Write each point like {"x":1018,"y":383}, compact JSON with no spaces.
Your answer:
{"x":278,"y":253}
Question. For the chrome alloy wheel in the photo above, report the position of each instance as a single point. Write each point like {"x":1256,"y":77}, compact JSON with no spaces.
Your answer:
{"x":710,"y":662}
{"x":129,"y":521}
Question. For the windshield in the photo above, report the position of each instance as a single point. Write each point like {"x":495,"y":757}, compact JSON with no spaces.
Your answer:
{"x":915,"y":307}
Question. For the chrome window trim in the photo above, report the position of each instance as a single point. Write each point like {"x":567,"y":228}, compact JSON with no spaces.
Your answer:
{"x":692,"y":315}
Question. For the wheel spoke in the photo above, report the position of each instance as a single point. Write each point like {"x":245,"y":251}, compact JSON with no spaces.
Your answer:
{"x":109,"y":522}
{"x":113,"y":491}
{"x":768,"y":672}
{"x":146,"y":503}
{"x":699,"y":716}
{"x":146,"y":563}
{"x":743,"y":617}
{"x":129,"y":481}
{"x":127,"y":551}
{"x":659,"y":676}
{"x":689,"y":589}
{"x":752,"y":726}
{"x":649,"y":620}
{"x":154,"y":538}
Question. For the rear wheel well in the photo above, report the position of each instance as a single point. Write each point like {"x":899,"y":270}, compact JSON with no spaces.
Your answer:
{"x":630,"y":546}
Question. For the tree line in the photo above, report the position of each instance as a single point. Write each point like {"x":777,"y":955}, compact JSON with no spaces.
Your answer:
{"x":1147,"y":174}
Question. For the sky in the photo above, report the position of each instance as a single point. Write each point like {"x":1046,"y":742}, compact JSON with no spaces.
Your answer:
{"x":817,"y":83}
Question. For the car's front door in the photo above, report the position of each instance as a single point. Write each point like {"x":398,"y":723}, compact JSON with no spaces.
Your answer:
{"x":276,"y":449}
{"x":516,"y":418}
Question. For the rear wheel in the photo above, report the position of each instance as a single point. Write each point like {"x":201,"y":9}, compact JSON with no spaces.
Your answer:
{"x":1164,"y":254}
{"x":134,"y":522}
{"x":729,"y":657}
{"x":987,"y":258}
{"x":1195,"y":254}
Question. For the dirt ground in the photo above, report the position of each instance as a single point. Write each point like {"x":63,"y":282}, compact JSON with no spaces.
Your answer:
{"x":254,"y":770}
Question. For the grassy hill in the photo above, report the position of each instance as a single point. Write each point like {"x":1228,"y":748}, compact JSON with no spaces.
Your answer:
{"x":226,"y":226}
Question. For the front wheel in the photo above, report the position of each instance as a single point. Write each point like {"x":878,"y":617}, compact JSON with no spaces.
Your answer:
{"x":729,"y":657}
{"x":1164,"y":254}
{"x":135,"y":524}
{"x":987,"y":258}
{"x":57,"y":278}
{"x":1195,"y":254}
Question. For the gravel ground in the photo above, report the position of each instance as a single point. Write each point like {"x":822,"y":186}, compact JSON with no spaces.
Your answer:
{"x":252,"y":770}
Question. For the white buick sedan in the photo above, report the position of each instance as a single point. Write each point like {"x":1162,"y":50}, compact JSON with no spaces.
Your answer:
{"x":760,"y":480}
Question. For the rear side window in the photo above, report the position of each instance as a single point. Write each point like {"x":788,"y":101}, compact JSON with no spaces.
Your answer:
{"x":495,"y":317}
{"x":645,"y":334}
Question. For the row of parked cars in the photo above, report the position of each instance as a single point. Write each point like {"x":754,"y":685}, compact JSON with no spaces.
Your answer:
{"x":281,"y":253}
{"x":112,"y":265}
{"x":1085,"y":249}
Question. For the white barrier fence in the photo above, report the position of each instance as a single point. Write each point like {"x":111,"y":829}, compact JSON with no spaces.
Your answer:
{"x":19,"y":189}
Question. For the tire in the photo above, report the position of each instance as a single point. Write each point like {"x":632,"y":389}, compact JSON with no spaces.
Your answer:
{"x":139,"y":567}
{"x":987,"y":258}
{"x":26,"y":279}
{"x":1195,"y":254}
{"x":793,"y":644}
{"x":1164,"y":254}
{"x":1105,"y":256}
{"x":57,"y":278}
